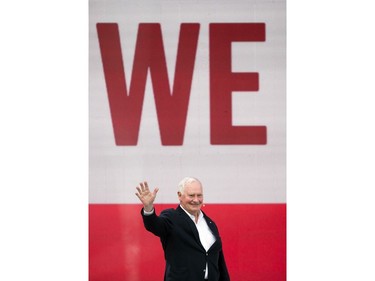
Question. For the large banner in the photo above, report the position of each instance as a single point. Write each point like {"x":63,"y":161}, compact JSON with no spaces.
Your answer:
{"x":188,"y":88}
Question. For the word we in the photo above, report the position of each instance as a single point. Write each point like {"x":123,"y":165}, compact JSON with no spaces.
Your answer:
{"x":171,"y":106}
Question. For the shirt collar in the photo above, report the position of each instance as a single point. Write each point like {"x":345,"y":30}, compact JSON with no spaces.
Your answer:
{"x":191,"y":216}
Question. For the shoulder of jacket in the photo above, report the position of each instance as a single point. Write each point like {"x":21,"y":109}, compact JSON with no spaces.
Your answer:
{"x":168,"y":211}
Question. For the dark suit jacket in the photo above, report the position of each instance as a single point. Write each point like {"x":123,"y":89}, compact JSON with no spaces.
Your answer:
{"x":184,"y":254}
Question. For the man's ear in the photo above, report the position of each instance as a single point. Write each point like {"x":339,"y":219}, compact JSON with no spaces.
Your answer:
{"x":179,"y":193}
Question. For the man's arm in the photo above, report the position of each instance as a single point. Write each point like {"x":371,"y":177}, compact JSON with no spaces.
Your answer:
{"x":153,"y":223}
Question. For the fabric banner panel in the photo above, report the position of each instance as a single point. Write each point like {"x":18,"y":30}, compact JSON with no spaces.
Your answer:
{"x":254,"y":242}
{"x":187,"y":88}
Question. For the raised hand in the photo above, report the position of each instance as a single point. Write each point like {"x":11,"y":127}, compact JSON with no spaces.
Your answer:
{"x":146,"y":196}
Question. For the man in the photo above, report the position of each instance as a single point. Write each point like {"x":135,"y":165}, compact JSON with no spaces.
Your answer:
{"x":190,"y":239}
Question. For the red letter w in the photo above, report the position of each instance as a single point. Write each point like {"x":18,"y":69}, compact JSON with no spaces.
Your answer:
{"x":126,"y":107}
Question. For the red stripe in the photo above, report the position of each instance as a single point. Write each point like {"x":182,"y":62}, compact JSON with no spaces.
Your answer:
{"x":254,"y":241}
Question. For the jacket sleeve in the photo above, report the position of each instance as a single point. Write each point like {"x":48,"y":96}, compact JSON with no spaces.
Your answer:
{"x":158,"y":225}
{"x":224,"y":274}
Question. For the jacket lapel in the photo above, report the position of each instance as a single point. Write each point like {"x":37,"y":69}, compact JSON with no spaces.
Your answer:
{"x":212,"y":226}
{"x":191,"y":224}
{"x":214,"y":231}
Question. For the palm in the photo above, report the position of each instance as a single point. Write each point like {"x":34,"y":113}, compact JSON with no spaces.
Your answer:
{"x":145,"y":195}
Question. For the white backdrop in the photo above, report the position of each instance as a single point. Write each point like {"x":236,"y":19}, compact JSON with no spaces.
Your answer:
{"x":229,"y":173}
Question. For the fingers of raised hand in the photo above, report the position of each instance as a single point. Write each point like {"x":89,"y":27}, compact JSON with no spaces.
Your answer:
{"x":142,"y":189}
{"x":139,"y":192}
{"x":144,"y":186}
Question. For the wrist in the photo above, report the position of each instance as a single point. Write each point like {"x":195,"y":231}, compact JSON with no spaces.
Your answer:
{"x":148,"y":209}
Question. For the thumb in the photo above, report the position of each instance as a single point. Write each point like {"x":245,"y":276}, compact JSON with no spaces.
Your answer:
{"x":155,"y":191}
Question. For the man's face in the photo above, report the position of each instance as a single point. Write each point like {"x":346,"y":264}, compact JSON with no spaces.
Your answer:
{"x":192,"y":198}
